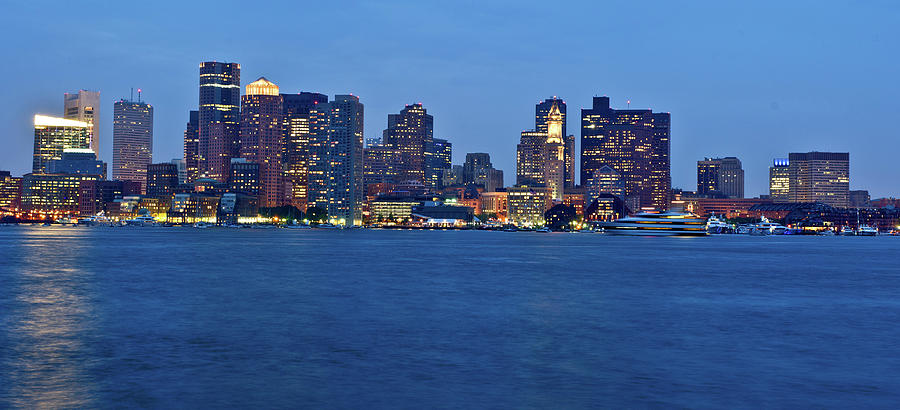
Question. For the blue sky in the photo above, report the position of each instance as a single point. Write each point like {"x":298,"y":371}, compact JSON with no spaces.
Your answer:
{"x":751,"y":79}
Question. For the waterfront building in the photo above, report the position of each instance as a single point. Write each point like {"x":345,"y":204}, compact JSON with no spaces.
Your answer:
{"x":262,"y":138}
{"x":635,"y":143}
{"x":219,"y":118}
{"x":77,"y":161}
{"x":84,"y":106}
{"x":820,"y":177}
{"x":192,"y":147}
{"x":245,"y":177}
{"x":52,"y":194}
{"x":336,"y":175}
{"x":495,"y":203}
{"x":300,"y":121}
{"x":387,"y":209}
{"x":10,"y":191}
{"x":860,"y":199}
{"x":780,"y":180}
{"x":526,"y":204}
{"x":442,"y":215}
{"x":162,"y":179}
{"x":237,"y":208}
{"x":575,"y":198}
{"x":438,"y":157}
{"x":411,"y":132}
{"x":720,"y":177}
{"x":194,"y":207}
{"x":542,"y":117}
{"x":132,"y":140}
{"x":54,"y":135}
{"x":96,"y":196}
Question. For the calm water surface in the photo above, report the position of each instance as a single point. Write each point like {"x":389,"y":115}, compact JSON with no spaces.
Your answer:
{"x":179,"y":317}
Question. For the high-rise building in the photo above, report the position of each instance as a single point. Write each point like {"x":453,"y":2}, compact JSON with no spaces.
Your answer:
{"x":542,"y":113}
{"x":10,"y":191}
{"x":244,"y":177}
{"x":635,"y":143}
{"x":53,"y":135}
{"x":540,"y":155}
{"x":476,"y":164}
{"x":181,"y":166}
{"x":780,"y":180}
{"x":132,"y":140}
{"x":335,"y":167}
{"x":162,"y":179}
{"x":720,"y":177}
{"x":438,"y":157}
{"x":491,"y":180}
{"x":77,"y":161}
{"x":860,"y":199}
{"x":822,"y":177}
{"x":299,"y":122}
{"x":379,"y":165}
{"x":606,"y":180}
{"x":85,"y":106}
{"x":192,"y":147}
{"x":219,"y":118}
{"x":411,"y":132}
{"x":262,"y":137}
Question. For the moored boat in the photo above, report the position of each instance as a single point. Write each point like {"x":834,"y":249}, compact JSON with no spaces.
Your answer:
{"x":657,"y":223}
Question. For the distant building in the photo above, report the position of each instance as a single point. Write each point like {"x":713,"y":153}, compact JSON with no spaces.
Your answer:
{"x":605,"y":180}
{"x":494,"y":203}
{"x":860,"y":199}
{"x":85,"y":106}
{"x":261,"y":138}
{"x":526,"y":205}
{"x":438,"y":157}
{"x":305,"y":142}
{"x":162,"y":179}
{"x":344,"y":187}
{"x":540,"y":156}
{"x":822,"y":177}
{"x":635,"y":143}
{"x":192,"y":147}
{"x":132,"y":140}
{"x":720,"y":177}
{"x":219,"y":118}
{"x":411,"y":132}
{"x":77,"y":161}
{"x":380,"y":165}
{"x":780,"y":180}
{"x":542,"y":111}
{"x":96,"y":196}
{"x":181,"y":166}
{"x":475,"y":165}
{"x":54,"y":135}
{"x":52,"y":194}
{"x":10,"y":191}
{"x":245,"y":177}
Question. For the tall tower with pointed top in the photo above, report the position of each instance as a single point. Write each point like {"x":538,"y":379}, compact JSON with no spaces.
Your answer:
{"x":554,"y":166}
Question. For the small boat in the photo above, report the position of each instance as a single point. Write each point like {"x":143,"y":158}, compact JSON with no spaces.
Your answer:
{"x":327,"y":226}
{"x":847,"y":231}
{"x":202,"y":225}
{"x":826,"y":232}
{"x":667,"y":223}
{"x":143,"y":220}
{"x":543,"y":230}
{"x":866,"y":230}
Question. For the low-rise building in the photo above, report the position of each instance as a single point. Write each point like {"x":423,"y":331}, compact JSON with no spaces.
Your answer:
{"x":527,"y":204}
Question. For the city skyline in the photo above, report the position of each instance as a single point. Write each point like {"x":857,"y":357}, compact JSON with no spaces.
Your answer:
{"x":785,"y":101}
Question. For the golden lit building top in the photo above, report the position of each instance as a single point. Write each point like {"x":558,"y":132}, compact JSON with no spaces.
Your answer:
{"x":42,"y":121}
{"x":262,"y":87}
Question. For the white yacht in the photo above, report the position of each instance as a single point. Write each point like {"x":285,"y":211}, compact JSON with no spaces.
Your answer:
{"x":143,"y":220}
{"x":716,"y":225}
{"x":847,"y":231}
{"x":866,"y":230}
{"x":658,"y":223}
{"x":767,"y":227}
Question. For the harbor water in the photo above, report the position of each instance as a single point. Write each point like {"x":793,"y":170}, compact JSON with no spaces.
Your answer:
{"x":286,"y":318}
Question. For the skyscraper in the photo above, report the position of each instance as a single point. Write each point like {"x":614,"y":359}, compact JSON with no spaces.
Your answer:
{"x":411,"y":132}
{"x":439,"y":157}
{"x":635,"y":143}
{"x":345,"y":160}
{"x":720,"y":177}
{"x":162,"y":179}
{"x":219,"y":118}
{"x":192,"y":146}
{"x":820,"y":177}
{"x":53,"y":135}
{"x":540,"y":155}
{"x":780,"y":180}
{"x":476,"y":165}
{"x":262,"y":137}
{"x":132,"y":140}
{"x":298,"y":112}
{"x":541,"y":116}
{"x":85,"y":106}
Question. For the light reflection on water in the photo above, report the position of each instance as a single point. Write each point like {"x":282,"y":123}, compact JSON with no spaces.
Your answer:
{"x":49,"y":324}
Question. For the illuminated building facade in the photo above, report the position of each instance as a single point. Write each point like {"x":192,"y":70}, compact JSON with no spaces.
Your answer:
{"x":55,"y":194}
{"x":132,"y":140}
{"x":526,"y":205}
{"x":494,"y":203}
{"x":780,"y":180}
{"x":77,"y":161}
{"x":95,"y":196}
{"x":605,"y":180}
{"x":411,"y":132}
{"x":181,"y":166}
{"x":162,"y":179}
{"x":822,"y":177}
{"x":720,"y":177}
{"x":10,"y":191}
{"x":219,"y":118}
{"x":262,"y":137}
{"x":542,"y":115}
{"x":54,"y":135}
{"x":245,"y":177}
{"x":192,"y":147}
{"x":345,"y":160}
{"x":380,"y":164}
{"x":540,"y":155}
{"x":299,"y":122}
{"x":438,"y":157}
{"x":633,"y":142}
{"x":85,"y":106}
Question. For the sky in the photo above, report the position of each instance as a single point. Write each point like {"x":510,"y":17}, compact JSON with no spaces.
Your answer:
{"x":754,"y":80}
